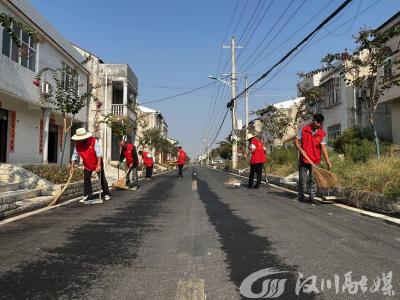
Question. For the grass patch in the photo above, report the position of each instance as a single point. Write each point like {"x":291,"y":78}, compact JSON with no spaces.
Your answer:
{"x":381,"y":176}
{"x":55,"y":174}
{"x":282,"y":161}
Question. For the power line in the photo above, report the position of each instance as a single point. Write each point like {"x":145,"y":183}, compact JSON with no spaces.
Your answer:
{"x":322,"y":24}
{"x":219,"y":129}
{"x":294,"y":34}
{"x":276,"y":35}
{"x":269,"y":32}
{"x":180,"y":94}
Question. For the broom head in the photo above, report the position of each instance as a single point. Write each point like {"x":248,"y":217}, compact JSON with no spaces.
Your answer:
{"x":120,"y":184}
{"x":324,"y":178}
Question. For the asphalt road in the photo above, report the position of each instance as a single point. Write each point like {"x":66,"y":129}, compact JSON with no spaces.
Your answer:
{"x":180,"y":238}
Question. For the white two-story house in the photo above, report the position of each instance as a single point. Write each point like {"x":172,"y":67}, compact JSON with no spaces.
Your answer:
{"x":31,"y":132}
{"x":117,"y":90}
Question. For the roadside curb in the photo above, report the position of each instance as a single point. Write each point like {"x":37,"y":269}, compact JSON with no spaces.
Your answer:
{"x":46,"y":208}
{"x":387,"y":219}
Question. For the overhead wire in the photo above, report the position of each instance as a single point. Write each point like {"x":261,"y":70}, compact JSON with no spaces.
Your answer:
{"x":287,"y":55}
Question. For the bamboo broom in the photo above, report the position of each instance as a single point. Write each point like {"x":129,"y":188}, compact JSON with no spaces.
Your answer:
{"x":324,"y":178}
{"x":63,"y":190}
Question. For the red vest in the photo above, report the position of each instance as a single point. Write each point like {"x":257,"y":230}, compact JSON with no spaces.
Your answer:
{"x":128,"y":153}
{"x":258,"y":155}
{"x":181,"y":157}
{"x":147,"y":161}
{"x":86,"y":151}
{"x":311,"y":144}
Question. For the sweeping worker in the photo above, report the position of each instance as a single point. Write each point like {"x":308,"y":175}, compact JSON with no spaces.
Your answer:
{"x":148,"y":162}
{"x":310,"y":142}
{"x":257,"y":160}
{"x":182,"y":157}
{"x":129,"y":153}
{"x":89,"y":150}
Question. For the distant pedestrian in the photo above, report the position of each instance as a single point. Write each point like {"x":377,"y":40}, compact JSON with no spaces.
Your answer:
{"x":182,"y":157}
{"x":129,"y":153}
{"x":310,"y":141}
{"x":148,"y":162}
{"x":89,"y":150}
{"x":257,"y":160}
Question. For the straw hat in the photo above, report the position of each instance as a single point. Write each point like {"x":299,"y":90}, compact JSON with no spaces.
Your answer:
{"x":249,"y":136}
{"x":81,"y":134}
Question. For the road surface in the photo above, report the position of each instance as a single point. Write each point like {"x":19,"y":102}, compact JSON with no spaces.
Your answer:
{"x":195,"y":237}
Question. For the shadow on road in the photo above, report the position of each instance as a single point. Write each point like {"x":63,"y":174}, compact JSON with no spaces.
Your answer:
{"x":246,"y":252}
{"x":68,"y":271}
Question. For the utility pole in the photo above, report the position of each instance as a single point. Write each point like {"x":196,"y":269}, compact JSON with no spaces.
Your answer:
{"x":233,"y":107}
{"x":246,"y":108}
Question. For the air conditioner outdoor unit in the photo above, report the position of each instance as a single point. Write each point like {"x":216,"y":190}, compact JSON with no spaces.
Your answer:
{"x":45,"y":88}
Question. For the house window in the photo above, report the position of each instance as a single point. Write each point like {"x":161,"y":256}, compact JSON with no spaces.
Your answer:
{"x":67,"y":78}
{"x":27,"y":55}
{"x":334,"y":131}
{"x":387,"y":68}
{"x":332,"y":91}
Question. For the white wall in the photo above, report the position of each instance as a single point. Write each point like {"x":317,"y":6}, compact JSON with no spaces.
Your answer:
{"x":17,"y":93}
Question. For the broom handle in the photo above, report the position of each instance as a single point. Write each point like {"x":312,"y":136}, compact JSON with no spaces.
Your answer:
{"x":63,"y":190}
{"x":311,"y":162}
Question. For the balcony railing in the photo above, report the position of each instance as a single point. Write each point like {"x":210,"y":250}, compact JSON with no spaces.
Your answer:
{"x":122,"y":110}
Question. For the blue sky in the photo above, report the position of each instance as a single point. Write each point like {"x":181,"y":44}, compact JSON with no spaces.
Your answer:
{"x":173,"y":46}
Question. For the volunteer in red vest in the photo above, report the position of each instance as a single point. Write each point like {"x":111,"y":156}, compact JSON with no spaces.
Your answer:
{"x":88,"y":149}
{"x":182,"y":157}
{"x":129,"y":153}
{"x":148,"y":162}
{"x":257,"y":160}
{"x":310,"y":141}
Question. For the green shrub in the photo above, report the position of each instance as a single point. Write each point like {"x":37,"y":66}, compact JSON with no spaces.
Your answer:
{"x":360,"y":152}
{"x":55,"y":174}
{"x":283,"y":156}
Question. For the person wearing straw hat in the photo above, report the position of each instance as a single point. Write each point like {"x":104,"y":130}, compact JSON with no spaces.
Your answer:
{"x":88,"y":149}
{"x":310,"y":142}
{"x":257,"y":160}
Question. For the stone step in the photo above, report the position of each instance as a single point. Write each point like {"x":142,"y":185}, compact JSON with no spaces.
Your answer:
{"x":27,"y":205}
{"x":14,"y":196}
{"x":7,"y":187}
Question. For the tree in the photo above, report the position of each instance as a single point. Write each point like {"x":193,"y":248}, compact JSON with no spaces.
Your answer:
{"x":66,"y":98}
{"x":151,"y":138}
{"x":275,"y":121}
{"x":305,"y":108}
{"x":370,"y":67}
{"x":120,"y":126}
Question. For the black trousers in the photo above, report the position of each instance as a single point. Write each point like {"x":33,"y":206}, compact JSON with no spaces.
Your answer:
{"x":87,"y":182}
{"x":180,"y":168}
{"x":255,"y":169}
{"x":149,"y":172}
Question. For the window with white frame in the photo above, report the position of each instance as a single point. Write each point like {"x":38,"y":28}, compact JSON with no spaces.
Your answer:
{"x":331,"y":90}
{"x":387,"y":68}
{"x":27,"y":55}
{"x":334,"y":131}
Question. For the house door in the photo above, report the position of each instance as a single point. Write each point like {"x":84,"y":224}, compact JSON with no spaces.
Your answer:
{"x":53,"y":144}
{"x":3,"y":134}
{"x":115,"y":151}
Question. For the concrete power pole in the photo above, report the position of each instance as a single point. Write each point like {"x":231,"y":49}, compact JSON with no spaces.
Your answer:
{"x":233,"y":108}
{"x":246,"y":108}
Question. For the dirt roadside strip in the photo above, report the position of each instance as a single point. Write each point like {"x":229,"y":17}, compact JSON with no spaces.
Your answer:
{"x":385,"y":218}
{"x":40,"y":210}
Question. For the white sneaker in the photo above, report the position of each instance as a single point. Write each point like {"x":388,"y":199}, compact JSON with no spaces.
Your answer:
{"x":133,"y":188}
{"x":84,"y":199}
{"x":107,"y":197}
{"x":96,"y":201}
